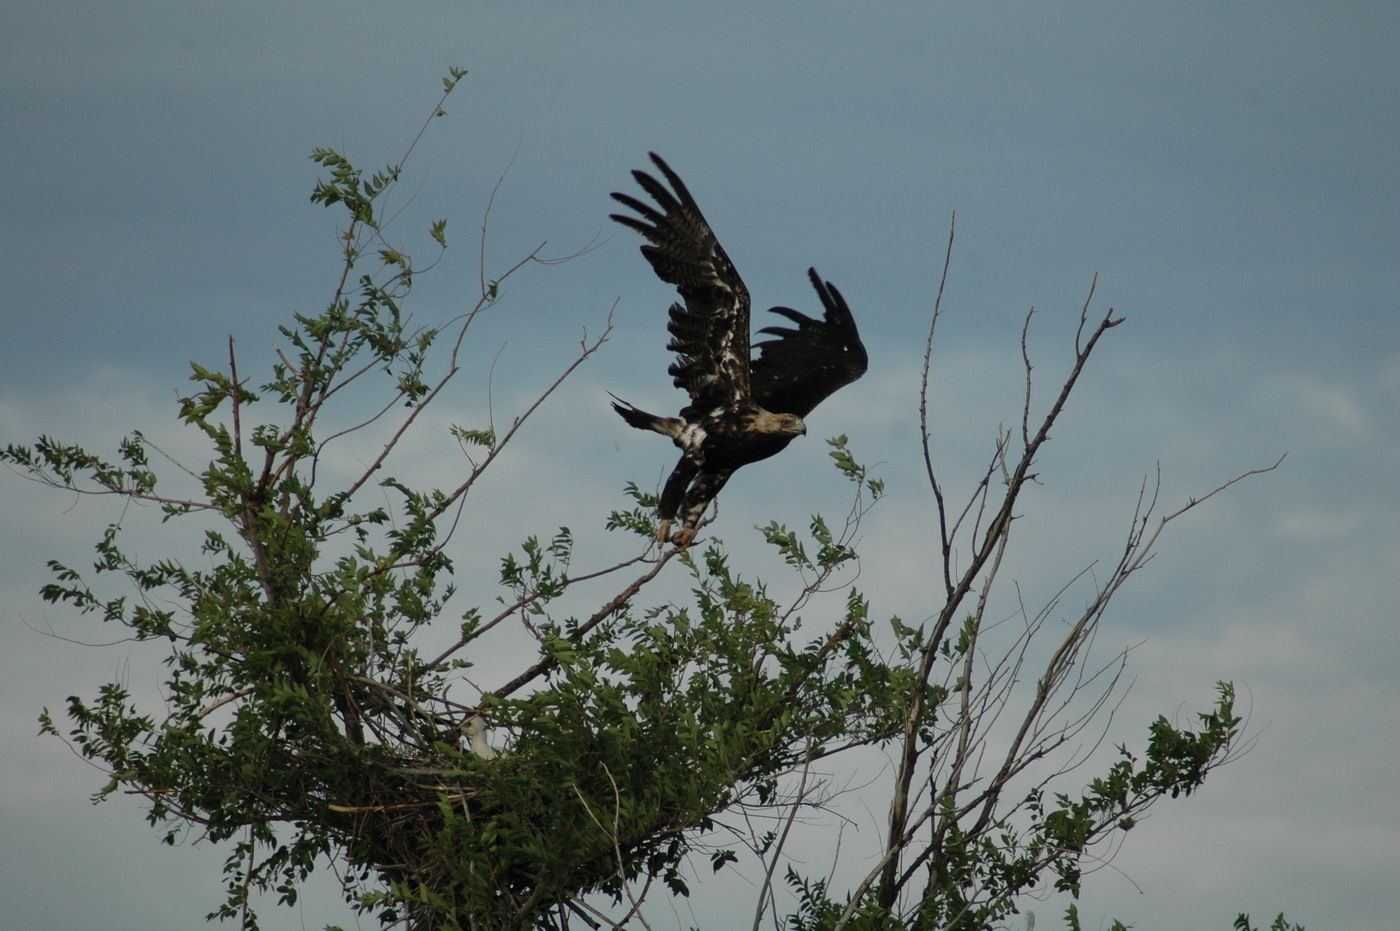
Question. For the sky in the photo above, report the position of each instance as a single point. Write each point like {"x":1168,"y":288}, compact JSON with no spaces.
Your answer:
{"x":1228,"y":171}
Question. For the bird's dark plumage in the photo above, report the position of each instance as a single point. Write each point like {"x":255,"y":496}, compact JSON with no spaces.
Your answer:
{"x":740,"y":410}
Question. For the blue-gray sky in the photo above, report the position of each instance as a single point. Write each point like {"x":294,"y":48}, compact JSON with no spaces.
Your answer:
{"x":1230,"y":171}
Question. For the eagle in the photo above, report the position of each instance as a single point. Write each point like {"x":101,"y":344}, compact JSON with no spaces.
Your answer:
{"x":742,"y":409}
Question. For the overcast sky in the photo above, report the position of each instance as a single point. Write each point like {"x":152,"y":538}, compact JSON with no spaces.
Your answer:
{"x":1229,"y":170}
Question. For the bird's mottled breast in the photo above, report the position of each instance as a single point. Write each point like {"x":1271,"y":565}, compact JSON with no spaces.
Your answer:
{"x":691,"y":438}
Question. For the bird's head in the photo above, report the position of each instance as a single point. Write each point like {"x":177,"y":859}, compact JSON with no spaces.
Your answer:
{"x":783,"y":424}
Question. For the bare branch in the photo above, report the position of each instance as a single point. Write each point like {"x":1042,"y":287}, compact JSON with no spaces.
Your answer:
{"x":943,"y":535}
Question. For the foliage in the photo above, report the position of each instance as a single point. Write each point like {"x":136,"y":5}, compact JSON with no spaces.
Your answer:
{"x":301,"y":724}
{"x":1280,"y":924}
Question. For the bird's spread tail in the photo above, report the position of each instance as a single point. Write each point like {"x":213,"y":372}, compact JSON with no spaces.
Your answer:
{"x":639,"y":418}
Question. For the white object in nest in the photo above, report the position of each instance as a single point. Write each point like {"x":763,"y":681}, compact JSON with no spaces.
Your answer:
{"x":475,"y":728}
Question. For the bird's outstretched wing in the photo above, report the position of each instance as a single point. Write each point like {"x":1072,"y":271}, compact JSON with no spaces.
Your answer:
{"x":710,"y":333}
{"x":803,"y":366}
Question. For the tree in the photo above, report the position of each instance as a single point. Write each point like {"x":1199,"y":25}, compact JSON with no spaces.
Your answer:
{"x":302,"y":721}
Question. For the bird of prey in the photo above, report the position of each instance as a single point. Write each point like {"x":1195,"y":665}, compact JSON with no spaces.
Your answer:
{"x":741,"y":409}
